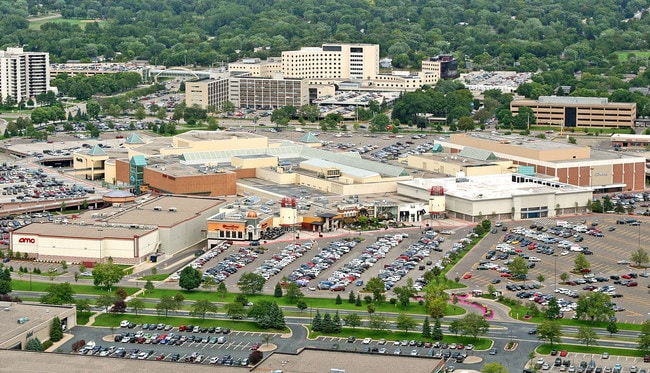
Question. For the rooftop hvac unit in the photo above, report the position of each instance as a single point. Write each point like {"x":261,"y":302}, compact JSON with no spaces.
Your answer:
{"x":173,"y":209}
{"x":157,"y":208}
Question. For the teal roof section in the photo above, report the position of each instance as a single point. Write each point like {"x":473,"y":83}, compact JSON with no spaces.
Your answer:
{"x":478,"y":154}
{"x":138,"y":160}
{"x":437,"y":148}
{"x":134,"y":138}
{"x":526,"y":170}
{"x":96,"y":151}
{"x":309,"y":138}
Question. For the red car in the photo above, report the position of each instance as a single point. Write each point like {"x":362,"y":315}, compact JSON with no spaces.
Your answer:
{"x":506,"y":275}
{"x":182,"y":328}
{"x":467,"y":276}
{"x":160,"y":357}
{"x":563,"y":353}
{"x":460,"y":346}
{"x":255,"y":346}
{"x":626,"y":276}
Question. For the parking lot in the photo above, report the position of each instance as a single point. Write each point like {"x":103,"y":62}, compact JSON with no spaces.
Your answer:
{"x":561,"y":361}
{"x":233,"y":349}
{"x":613,"y":245}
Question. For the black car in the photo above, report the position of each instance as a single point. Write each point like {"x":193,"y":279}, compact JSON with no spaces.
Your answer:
{"x":175,"y":357}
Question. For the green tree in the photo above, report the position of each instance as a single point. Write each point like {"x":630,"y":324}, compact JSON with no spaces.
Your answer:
{"x":494,"y":367}
{"x":92,"y":108}
{"x":352,"y":298}
{"x":293,"y":292}
{"x":166,"y":304}
{"x":639,"y":257}
{"x":550,"y":331}
{"x":5,"y":281}
{"x":140,"y":114}
{"x":107,"y":274}
{"x":436,"y":332}
{"x":405,"y":293}
{"x":268,"y":315}
{"x":644,"y":337}
{"x":209,"y":283}
{"x":201,"y":307}
{"x":595,"y":306}
{"x":317,"y":322}
{"x":454,"y":327}
{"x":278,"y":290}
{"x":338,"y":299}
{"x":83,"y":305}
{"x":105,"y":301}
{"x":34,"y":344}
{"x":251,"y":283}
{"x":426,"y":328}
{"x":56,"y":330}
{"x":580,"y":263}
{"x":473,"y":325}
{"x":190,"y":278}
{"x":552,"y":310}
{"x":377,"y":287}
{"x":405,"y":322}
{"x":235,"y":310}
{"x":518,"y":267}
{"x":377,"y":322}
{"x":466,"y":124}
{"x":221,"y":289}
{"x":58,"y":294}
{"x":302,"y":305}
{"x":352,"y":320}
{"x":136,"y":304}
{"x":612,"y":328}
{"x":148,"y":286}
{"x":587,"y":336}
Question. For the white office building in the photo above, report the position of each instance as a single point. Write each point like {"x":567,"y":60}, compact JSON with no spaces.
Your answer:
{"x":23,"y":75}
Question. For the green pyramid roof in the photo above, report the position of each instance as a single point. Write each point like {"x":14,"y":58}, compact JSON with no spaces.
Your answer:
{"x":134,"y":138}
{"x":96,"y":150}
{"x":309,"y":138}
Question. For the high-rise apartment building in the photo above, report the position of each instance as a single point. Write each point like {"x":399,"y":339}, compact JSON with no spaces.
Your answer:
{"x":23,"y":75}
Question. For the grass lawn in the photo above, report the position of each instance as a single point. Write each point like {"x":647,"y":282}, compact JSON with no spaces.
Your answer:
{"x":156,"y":277}
{"x":36,"y":25}
{"x":23,"y":285}
{"x":83,"y":317}
{"x":546,"y":348}
{"x":623,"y":55}
{"x":517,"y":312}
{"x":314,"y":303}
{"x":114,"y":320}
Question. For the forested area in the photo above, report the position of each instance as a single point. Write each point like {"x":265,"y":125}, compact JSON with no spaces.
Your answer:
{"x":522,"y":35}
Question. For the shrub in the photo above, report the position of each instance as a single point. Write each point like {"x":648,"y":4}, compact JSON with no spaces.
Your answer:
{"x":77,"y":345}
{"x":47,"y":344}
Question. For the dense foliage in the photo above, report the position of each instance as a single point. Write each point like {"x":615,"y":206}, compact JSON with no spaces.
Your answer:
{"x":498,"y":34}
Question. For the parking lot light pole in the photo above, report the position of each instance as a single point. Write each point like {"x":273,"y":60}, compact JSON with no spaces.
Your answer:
{"x":555,"y":273}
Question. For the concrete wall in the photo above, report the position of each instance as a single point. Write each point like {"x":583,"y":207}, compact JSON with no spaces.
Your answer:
{"x":221,"y":184}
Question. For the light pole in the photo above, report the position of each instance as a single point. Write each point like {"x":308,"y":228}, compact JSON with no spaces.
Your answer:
{"x":555,"y":272}
{"x":100,"y":245}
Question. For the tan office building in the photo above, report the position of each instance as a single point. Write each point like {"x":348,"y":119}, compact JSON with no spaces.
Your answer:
{"x":272,"y":92}
{"x":211,"y":93}
{"x":579,"y":112}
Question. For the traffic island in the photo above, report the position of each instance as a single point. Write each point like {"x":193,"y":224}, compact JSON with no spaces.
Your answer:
{"x":473,"y":360}
{"x":266,"y":347}
{"x":511,"y":346}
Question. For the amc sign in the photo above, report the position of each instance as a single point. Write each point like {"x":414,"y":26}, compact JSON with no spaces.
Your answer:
{"x":26,"y":240}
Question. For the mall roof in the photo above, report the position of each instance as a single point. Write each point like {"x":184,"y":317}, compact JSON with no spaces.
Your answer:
{"x":91,"y":229}
{"x":217,"y":135}
{"x":345,"y":170}
{"x":495,"y":186}
{"x":162,"y":211}
{"x":37,"y":314}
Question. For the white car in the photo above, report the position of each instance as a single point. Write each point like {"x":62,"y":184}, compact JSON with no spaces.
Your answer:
{"x":124,"y":324}
{"x":563,"y":253}
{"x":366,"y":341}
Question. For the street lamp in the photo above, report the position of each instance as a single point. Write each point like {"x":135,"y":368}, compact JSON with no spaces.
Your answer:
{"x":555,"y":272}
{"x":100,"y":244}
